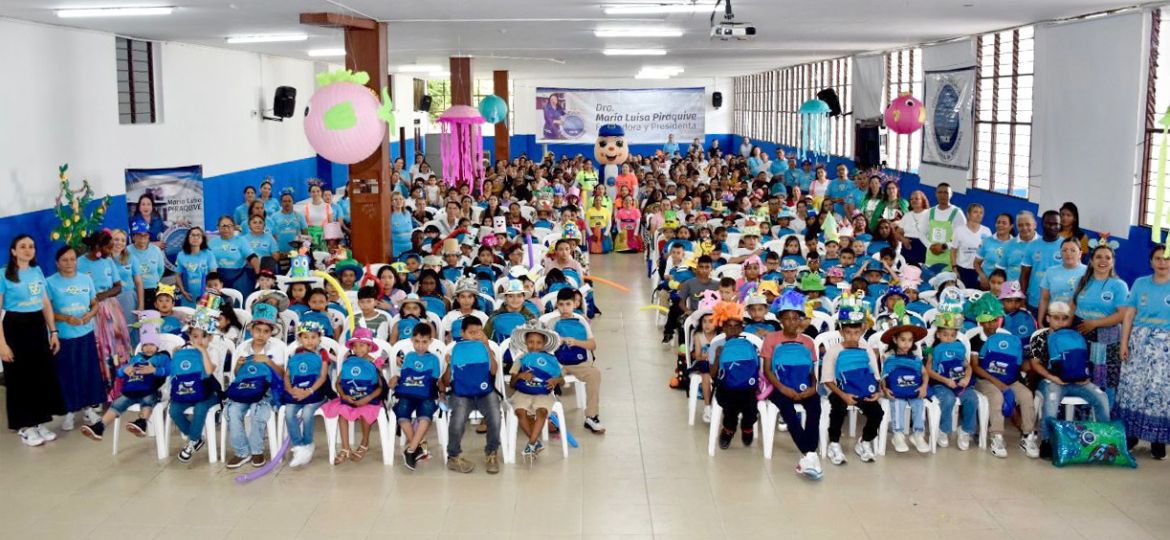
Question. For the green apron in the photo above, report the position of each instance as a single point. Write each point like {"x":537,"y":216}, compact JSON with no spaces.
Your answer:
{"x":940,"y":232}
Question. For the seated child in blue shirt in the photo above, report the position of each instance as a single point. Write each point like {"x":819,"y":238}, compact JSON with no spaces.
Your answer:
{"x":536,"y":373}
{"x":305,"y":390}
{"x":735,"y":366}
{"x":416,"y":386}
{"x":193,"y":386}
{"x":904,"y":384}
{"x":140,"y":384}
{"x":251,"y":390}
{"x":318,"y":312}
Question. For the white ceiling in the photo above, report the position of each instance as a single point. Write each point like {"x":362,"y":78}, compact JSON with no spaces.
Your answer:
{"x":523,"y":35}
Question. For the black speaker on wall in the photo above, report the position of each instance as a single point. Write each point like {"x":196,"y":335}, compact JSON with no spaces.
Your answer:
{"x":424,"y":104}
{"x":284,"y":102}
{"x":867,"y":145}
{"x":829,"y":96}
{"x":717,"y":99}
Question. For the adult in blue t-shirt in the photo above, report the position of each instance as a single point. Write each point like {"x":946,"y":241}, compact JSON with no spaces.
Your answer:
{"x":194,"y":262}
{"x":779,"y":165}
{"x":149,"y":263}
{"x":234,"y":257}
{"x":1144,"y":387}
{"x":1040,"y":255}
{"x":671,"y":147}
{"x":1060,"y":281}
{"x":287,"y":224}
{"x":262,"y":242}
{"x":994,"y":249}
{"x":31,"y":390}
{"x":77,"y":365}
{"x":242,"y":211}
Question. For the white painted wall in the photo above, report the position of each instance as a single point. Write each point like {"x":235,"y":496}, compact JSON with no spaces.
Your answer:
{"x":718,"y":121}
{"x":59,"y":104}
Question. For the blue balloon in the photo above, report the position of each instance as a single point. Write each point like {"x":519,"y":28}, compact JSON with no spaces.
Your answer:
{"x":493,"y":109}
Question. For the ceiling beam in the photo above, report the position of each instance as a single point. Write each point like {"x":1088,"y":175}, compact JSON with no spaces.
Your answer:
{"x":338,"y":20}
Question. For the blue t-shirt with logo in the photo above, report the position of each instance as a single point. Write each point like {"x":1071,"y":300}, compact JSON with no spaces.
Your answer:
{"x":286,"y":227}
{"x":193,"y":268}
{"x":103,"y":271}
{"x":26,"y":296}
{"x":72,"y":296}
{"x":1101,"y":298}
{"x":230,"y":253}
{"x":150,"y":264}
{"x":840,"y":189}
{"x":1015,"y":253}
{"x":993,"y":253}
{"x":1152,"y":301}
{"x":1041,"y":256}
{"x":1061,"y":282}
{"x":263,"y":244}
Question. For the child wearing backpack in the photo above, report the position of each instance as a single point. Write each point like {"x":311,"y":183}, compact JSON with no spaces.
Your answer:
{"x":193,"y":383}
{"x":701,"y":360}
{"x":998,"y":368}
{"x":255,"y":377}
{"x":360,"y":390}
{"x":305,"y":387}
{"x":1060,"y":355}
{"x":735,"y":366}
{"x":574,"y":354}
{"x":416,"y":386}
{"x":790,"y":359}
{"x":536,"y":373}
{"x":140,"y":384}
{"x":850,"y":372}
{"x":471,"y":375}
{"x":904,"y":382}
{"x":950,"y":375}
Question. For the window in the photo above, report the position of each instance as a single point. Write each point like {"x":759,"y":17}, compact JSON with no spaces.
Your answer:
{"x":903,"y":74}
{"x":1003,"y":111}
{"x":1157,"y":101}
{"x":766,"y":105}
{"x":440,"y":92}
{"x":135,"y":60}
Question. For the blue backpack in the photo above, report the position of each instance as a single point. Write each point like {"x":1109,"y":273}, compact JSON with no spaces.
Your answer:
{"x":1001,"y":357}
{"x":950,"y":360}
{"x":359,"y":377}
{"x":418,"y":376}
{"x":793,"y":365}
{"x":406,"y":327}
{"x":435,"y":305}
{"x":739,"y":364}
{"x":471,"y":374}
{"x":903,"y":376}
{"x":570,"y":355}
{"x":1021,"y":324}
{"x":503,"y":323}
{"x":304,"y":368}
{"x":452,"y":273}
{"x":1068,"y":354}
{"x":139,"y":386}
{"x":251,"y":383}
{"x":189,"y":384}
{"x":853,"y":373}
{"x":542,"y":366}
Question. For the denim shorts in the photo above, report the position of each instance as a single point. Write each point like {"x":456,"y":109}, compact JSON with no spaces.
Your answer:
{"x":419,"y":407}
{"x":123,"y":402}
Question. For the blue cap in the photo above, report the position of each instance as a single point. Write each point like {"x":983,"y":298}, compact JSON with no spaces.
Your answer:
{"x":139,"y":226}
{"x":611,"y":130}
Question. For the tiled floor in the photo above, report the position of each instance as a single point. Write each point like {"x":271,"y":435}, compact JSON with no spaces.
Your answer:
{"x":648,"y":477}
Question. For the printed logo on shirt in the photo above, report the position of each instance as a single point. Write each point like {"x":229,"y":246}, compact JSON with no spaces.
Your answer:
{"x":1143,"y":299}
{"x":76,"y":289}
{"x":185,"y":365}
{"x":1107,"y":296}
{"x":34,"y":288}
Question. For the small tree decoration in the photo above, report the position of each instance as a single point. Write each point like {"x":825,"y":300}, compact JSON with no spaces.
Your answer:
{"x":75,"y":221}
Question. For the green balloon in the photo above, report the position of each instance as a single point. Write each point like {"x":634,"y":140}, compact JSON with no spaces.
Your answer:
{"x":493,"y":109}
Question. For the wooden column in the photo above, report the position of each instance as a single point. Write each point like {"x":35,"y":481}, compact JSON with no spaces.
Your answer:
{"x":462,"y":80}
{"x":369,"y":189}
{"x":500,"y":88}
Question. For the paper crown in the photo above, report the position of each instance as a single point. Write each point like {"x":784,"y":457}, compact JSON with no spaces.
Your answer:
{"x":165,"y":290}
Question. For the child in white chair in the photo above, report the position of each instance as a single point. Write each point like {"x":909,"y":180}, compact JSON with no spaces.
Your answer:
{"x":417,"y":387}
{"x":701,"y":360}
{"x":360,"y":390}
{"x":140,"y":384}
{"x":305,"y":390}
{"x":251,"y":390}
{"x":850,"y":372}
{"x":950,"y":372}
{"x":536,"y":373}
{"x":904,"y":384}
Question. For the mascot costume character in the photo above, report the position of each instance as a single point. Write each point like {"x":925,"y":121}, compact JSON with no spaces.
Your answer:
{"x":611,"y":151}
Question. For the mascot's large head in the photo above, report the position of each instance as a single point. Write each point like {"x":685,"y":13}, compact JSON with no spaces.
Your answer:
{"x":611,"y":146}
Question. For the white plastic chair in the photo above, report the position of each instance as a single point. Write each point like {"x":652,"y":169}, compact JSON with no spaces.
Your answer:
{"x":236,"y":296}
{"x":169,"y":343}
{"x":385,"y":428}
{"x":716,"y":410}
{"x":441,"y":420}
{"x":734,"y":271}
{"x":279,"y":357}
{"x":770,"y":416}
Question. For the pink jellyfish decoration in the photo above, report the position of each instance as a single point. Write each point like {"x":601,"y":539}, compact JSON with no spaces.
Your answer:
{"x":905,"y":114}
{"x":461,"y":147}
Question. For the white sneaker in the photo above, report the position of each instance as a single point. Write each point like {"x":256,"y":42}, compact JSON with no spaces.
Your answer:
{"x":864,"y":450}
{"x":899,"y":441}
{"x":706,"y":414}
{"x":298,"y":457}
{"x":920,"y":444}
{"x":1030,"y":445}
{"x":67,"y":422}
{"x":944,"y":440}
{"x":92,"y":416}
{"x":309,"y":449}
{"x":810,"y":466}
{"x":998,"y":449}
{"x":46,"y":434}
{"x":836,"y":455}
{"x":782,"y":427}
{"x":964,"y":440}
{"x":31,"y":437}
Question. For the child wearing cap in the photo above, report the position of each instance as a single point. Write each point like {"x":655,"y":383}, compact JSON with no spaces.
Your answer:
{"x":305,"y":390}
{"x":360,"y":391}
{"x":255,"y":377}
{"x":790,"y":359}
{"x":1060,"y":356}
{"x":904,"y":382}
{"x":535,"y":374}
{"x":411,"y":313}
{"x":949,"y":369}
{"x":193,"y":384}
{"x":575,"y":353}
{"x":850,"y":372}
{"x":511,"y":314}
{"x":998,"y":363}
{"x":471,"y":374}
{"x":757,"y":321}
{"x":416,"y":385}
{"x":735,"y":367}
{"x":140,"y":384}
{"x":149,"y":261}
{"x":1016,"y":319}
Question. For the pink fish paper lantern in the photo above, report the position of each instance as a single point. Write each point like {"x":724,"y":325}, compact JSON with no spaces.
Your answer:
{"x":345,"y":121}
{"x":905,"y":115}
{"x":461,"y":147}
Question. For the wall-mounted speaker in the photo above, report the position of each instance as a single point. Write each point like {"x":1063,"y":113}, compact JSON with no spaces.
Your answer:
{"x":284,"y":103}
{"x":829,"y":96}
{"x":717,"y":99}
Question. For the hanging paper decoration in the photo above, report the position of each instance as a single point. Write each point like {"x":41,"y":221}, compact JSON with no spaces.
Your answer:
{"x":1160,"y":188}
{"x":75,"y":222}
{"x":344,"y":123}
{"x":493,"y":108}
{"x":461,"y":147}
{"x":905,"y":114}
{"x":814,"y":131}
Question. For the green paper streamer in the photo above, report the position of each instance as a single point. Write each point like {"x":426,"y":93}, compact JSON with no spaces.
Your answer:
{"x":1160,"y":186}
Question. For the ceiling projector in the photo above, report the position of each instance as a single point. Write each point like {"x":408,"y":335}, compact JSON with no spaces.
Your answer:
{"x":729,"y":30}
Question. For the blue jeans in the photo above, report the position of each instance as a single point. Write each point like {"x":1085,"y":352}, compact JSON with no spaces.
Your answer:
{"x":123,"y":402}
{"x":917,"y":414}
{"x":968,"y":407}
{"x":193,"y":428}
{"x":461,"y":407}
{"x":1051,"y":394}
{"x":298,"y":418}
{"x":250,"y":441}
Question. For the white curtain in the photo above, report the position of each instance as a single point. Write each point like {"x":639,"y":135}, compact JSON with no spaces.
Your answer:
{"x":869,"y":78}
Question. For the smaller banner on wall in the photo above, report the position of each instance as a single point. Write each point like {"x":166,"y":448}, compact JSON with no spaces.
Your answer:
{"x":648,"y":115}
{"x":177,"y":197}
{"x":949,"y":132}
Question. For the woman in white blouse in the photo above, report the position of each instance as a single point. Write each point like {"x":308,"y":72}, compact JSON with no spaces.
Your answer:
{"x":915,"y":225}
{"x":965,"y":245}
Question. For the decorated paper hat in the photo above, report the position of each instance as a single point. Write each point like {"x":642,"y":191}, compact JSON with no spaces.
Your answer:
{"x":165,"y":290}
{"x":450,"y":247}
{"x":413,"y":298}
{"x":726,"y":311}
{"x":467,"y":284}
{"x":894,"y":290}
{"x":851,"y":310}
{"x":515,"y":286}
{"x":362,"y":334}
{"x":949,"y":319}
{"x":432,"y":260}
{"x":769,"y":287}
{"x":298,"y":271}
{"x":789,"y":265}
{"x":754,"y":259}
{"x":751,"y":230}
{"x":791,"y":301}
{"x":206,"y":319}
{"x":811,"y":282}
{"x":984,"y":309}
{"x":785,"y":213}
{"x":349,"y":264}
{"x":1010,"y":290}
{"x":950,"y":299}
{"x":551,"y":340}
{"x":310,"y":326}
{"x":332,"y":231}
{"x":570,"y":231}
{"x":708,"y":300}
{"x":903,"y":324}
{"x":755,"y":298}
{"x":148,"y":335}
{"x":278,"y":298}
{"x":263,"y":314}
{"x":942,"y":277}
{"x":910,"y":277}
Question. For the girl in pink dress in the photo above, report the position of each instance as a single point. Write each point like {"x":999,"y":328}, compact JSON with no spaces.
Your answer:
{"x":360,"y":390}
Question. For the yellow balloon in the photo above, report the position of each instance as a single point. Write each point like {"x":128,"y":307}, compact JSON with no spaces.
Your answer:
{"x":340,"y":292}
